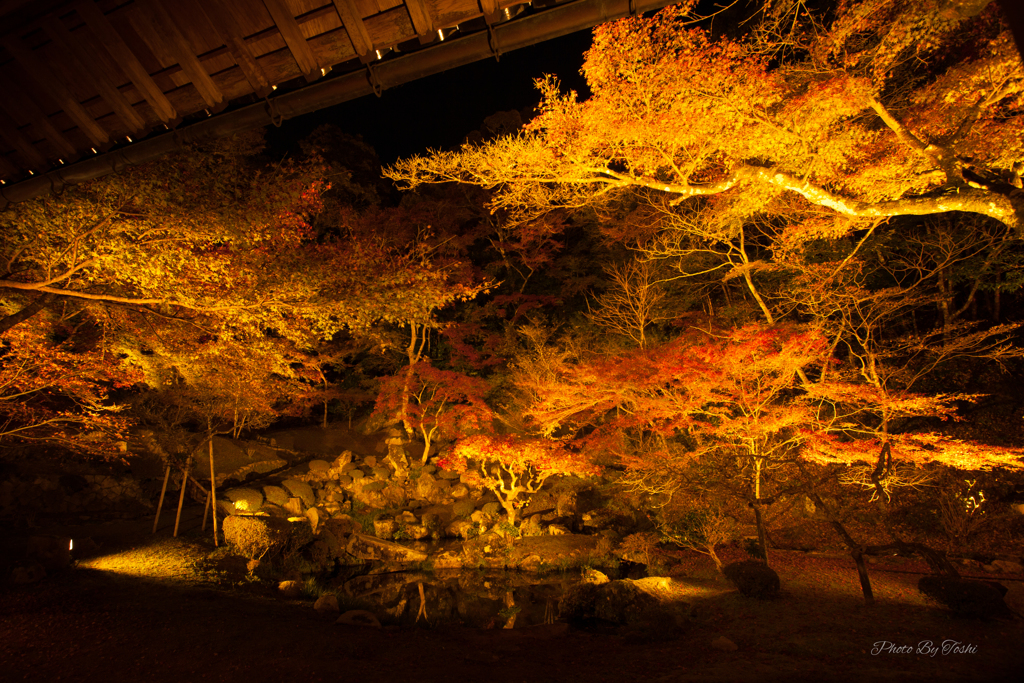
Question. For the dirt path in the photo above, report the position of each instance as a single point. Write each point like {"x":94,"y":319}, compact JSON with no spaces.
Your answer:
{"x":143,"y":613}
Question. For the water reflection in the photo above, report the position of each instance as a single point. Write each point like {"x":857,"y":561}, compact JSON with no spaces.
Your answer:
{"x":478,"y":599}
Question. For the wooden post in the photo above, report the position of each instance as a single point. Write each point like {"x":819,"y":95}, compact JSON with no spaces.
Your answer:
{"x":206,"y":510}
{"x":213,"y":493}
{"x":181,"y":496}
{"x":160,"y":505}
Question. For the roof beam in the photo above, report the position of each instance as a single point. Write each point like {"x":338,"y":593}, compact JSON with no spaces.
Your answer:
{"x":25,"y":149}
{"x":40,"y":121}
{"x":111,"y":40}
{"x":349,"y":14}
{"x":293,"y":38}
{"x":422,"y":22}
{"x":47,"y":80}
{"x":224,"y":22}
{"x":170,"y":34}
{"x":98,"y":78}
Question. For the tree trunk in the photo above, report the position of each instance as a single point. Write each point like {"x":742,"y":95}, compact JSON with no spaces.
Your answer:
{"x":24,"y":314}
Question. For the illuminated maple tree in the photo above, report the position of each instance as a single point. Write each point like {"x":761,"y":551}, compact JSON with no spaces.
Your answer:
{"x":514,"y":467}
{"x":56,"y":392}
{"x":890,"y":109}
{"x":444,"y":404}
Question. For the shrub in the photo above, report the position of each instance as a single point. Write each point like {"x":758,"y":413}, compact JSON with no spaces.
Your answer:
{"x":255,"y":537}
{"x":753,"y":578}
{"x":966,"y":598}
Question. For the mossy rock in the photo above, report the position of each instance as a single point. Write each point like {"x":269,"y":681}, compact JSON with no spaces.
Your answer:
{"x":463,"y":508}
{"x":276,"y":495}
{"x":374,"y":486}
{"x":967,"y":598}
{"x":753,"y":578}
{"x":245,"y":499}
{"x":300,"y":489}
{"x":618,"y":602}
{"x":382,"y":473}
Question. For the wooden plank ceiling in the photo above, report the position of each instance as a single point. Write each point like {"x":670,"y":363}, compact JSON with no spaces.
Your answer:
{"x":78,"y":77}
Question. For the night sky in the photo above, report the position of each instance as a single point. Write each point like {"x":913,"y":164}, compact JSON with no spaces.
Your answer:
{"x":438,"y":111}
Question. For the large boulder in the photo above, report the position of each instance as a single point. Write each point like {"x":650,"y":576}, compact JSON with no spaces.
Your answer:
{"x":753,"y":578}
{"x":245,"y":499}
{"x":300,"y":489}
{"x":366,"y":547}
{"x":276,"y":495}
{"x":618,"y":602}
{"x":967,"y":598}
{"x":256,"y":537}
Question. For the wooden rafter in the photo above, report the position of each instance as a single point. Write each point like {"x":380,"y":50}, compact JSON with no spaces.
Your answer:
{"x":224,"y":22}
{"x":170,"y":34}
{"x":40,"y":121}
{"x":48,"y":82}
{"x":422,"y":22}
{"x":26,"y":150}
{"x":489,"y":7}
{"x":111,"y":40}
{"x":349,"y":14}
{"x":98,"y":79}
{"x":293,"y":38}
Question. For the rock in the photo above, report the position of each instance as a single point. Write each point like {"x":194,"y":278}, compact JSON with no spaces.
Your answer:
{"x":227,"y":507}
{"x":245,"y":499}
{"x":460,"y":528}
{"x":427,"y":488}
{"x":406,"y":517}
{"x":370,"y":461}
{"x":753,"y":578}
{"x":343,"y":480}
{"x":301,"y":490}
{"x":52,"y":552}
{"x":428,"y":469}
{"x":319,"y":467}
{"x":342,"y":460}
{"x":369,"y":548}
{"x":384,"y":527}
{"x":374,"y":486}
{"x":290,"y":589}
{"x":593,"y":576}
{"x":29,"y":574}
{"x":459,"y":491}
{"x":557,"y":530}
{"x":382,"y":473}
{"x":565,"y":504}
{"x":326,"y":603}
{"x":491,"y":509}
{"x":314,"y":519}
{"x":356,"y":474}
{"x":276,"y":495}
{"x":348,"y":467}
{"x":294,"y":507}
{"x":463,"y":508}
{"x":620,"y":602}
{"x":966,"y":598}
{"x":358,"y":617}
{"x":1008,"y":566}
{"x":724,"y":644}
{"x":256,"y":537}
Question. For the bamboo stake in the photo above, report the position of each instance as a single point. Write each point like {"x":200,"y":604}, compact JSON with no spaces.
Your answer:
{"x":181,"y":496}
{"x":160,"y":505}
{"x":206,"y":510}
{"x":213,"y":493}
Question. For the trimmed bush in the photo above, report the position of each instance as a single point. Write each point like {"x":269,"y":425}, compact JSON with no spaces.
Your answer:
{"x":753,"y":578}
{"x":255,"y":537}
{"x":966,"y":598}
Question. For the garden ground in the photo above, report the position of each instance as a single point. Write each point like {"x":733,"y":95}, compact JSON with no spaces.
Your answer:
{"x":147,"y":607}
